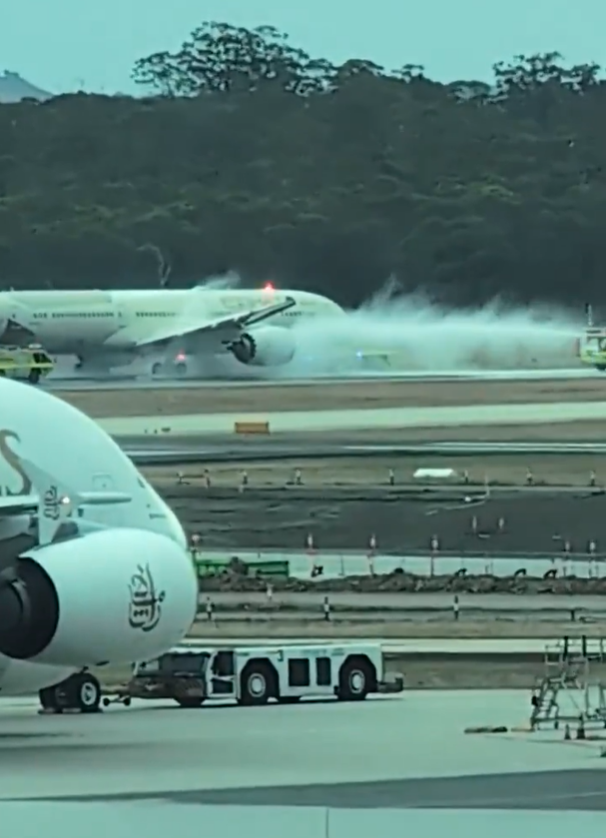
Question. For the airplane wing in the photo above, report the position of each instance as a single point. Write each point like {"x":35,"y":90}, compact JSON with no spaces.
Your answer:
{"x":11,"y":506}
{"x":223,"y":329}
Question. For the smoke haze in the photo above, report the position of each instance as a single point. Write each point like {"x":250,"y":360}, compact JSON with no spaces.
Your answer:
{"x":226,"y":282}
{"x":393,"y":332}
{"x":410,"y":333}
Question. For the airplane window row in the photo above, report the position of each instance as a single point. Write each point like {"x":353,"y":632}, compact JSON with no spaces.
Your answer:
{"x":43,"y":315}
{"x":212,"y":314}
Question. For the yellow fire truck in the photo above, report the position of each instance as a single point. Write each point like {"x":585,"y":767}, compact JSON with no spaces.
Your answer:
{"x":592,"y":347}
{"x":25,"y":363}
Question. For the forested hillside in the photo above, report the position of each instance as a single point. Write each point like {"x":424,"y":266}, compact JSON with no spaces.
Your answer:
{"x":245,"y":153}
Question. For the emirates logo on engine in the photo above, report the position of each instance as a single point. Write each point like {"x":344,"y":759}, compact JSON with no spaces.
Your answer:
{"x":146,"y":601}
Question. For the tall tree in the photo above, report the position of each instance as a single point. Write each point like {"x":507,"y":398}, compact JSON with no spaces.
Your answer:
{"x":251,"y":155}
{"x":220,"y":58}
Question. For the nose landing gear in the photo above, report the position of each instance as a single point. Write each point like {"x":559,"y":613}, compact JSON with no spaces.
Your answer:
{"x":80,"y":692}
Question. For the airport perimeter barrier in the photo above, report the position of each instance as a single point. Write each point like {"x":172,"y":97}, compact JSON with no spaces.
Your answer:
{"x":340,"y":565}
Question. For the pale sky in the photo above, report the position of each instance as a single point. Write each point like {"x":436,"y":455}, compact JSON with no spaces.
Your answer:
{"x":62,"y":45}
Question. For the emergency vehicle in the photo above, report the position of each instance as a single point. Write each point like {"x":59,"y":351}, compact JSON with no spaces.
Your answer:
{"x":249,"y":675}
{"x":592,"y":347}
{"x":25,"y":363}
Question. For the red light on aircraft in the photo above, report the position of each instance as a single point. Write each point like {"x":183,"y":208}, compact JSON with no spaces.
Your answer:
{"x":180,"y":357}
{"x":269,"y":286}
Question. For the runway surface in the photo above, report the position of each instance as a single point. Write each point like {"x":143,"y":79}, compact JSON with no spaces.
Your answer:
{"x":119,"y":382}
{"x":166,"y":449}
{"x":396,"y":753}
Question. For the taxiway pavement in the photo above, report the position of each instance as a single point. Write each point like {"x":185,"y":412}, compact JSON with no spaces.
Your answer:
{"x":411,"y":603}
{"x":394,"y":752}
{"x":353,"y":420}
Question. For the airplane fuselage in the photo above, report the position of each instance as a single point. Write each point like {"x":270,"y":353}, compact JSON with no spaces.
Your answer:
{"x":76,"y":322}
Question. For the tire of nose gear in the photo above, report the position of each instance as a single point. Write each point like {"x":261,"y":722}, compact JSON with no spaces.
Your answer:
{"x":84,"y":692}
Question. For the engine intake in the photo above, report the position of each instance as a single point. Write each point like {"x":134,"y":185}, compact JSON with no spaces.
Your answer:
{"x":264,"y":347}
{"x":112,"y":596}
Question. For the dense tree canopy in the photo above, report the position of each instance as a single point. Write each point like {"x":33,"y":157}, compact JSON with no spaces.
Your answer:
{"x":245,"y":153}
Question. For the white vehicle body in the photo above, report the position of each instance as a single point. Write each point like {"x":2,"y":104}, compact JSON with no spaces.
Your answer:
{"x":114,"y":328}
{"x":94,"y":566}
{"x":256,"y":674}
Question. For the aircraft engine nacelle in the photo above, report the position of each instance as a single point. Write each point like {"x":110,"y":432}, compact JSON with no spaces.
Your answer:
{"x":267,"y":346}
{"x":113,"y":596}
{"x":3,"y":325}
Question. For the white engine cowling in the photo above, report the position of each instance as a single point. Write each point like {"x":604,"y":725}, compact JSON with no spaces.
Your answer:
{"x":113,"y":596}
{"x":265,"y":347}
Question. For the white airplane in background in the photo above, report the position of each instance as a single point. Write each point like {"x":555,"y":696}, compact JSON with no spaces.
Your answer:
{"x":94,"y":566}
{"x":174,"y":329}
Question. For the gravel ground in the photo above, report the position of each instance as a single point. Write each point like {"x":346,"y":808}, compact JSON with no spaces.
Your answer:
{"x":334,"y":395}
{"x":341,"y":519}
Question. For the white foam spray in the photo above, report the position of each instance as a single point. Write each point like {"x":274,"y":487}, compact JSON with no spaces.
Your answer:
{"x":410,"y":333}
{"x":225,"y":282}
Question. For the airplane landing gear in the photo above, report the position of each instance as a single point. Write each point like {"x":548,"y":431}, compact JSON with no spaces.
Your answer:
{"x":81,"y":692}
{"x":178,"y":368}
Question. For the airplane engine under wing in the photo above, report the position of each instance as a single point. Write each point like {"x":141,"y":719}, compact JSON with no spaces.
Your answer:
{"x":3,"y":326}
{"x":116,"y":595}
{"x":264,"y":347}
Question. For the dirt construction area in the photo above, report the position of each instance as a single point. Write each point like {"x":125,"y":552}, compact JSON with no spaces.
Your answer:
{"x":342,"y":395}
